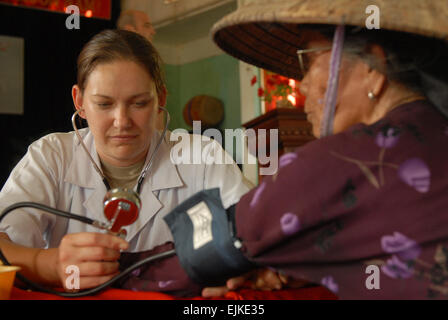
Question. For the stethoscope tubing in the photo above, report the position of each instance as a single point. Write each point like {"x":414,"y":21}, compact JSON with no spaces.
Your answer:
{"x":83,"y":219}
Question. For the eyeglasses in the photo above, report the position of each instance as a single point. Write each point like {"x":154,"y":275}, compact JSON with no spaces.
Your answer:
{"x":304,"y":59}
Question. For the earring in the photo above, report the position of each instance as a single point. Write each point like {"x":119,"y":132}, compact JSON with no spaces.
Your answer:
{"x":371,"y":95}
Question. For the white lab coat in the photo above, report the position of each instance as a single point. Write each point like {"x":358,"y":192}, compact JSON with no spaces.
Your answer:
{"x":56,"y":171}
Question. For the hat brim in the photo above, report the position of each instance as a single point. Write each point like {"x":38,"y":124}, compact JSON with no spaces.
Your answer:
{"x":268,"y":34}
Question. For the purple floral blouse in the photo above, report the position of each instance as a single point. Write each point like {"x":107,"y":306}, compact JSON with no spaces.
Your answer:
{"x":363,"y":212}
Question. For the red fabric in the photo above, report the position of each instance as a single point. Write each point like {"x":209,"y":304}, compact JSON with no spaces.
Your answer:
{"x":314,"y":293}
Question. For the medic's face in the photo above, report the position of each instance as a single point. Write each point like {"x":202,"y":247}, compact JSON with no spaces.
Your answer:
{"x":352,"y":89}
{"x":120,"y":104}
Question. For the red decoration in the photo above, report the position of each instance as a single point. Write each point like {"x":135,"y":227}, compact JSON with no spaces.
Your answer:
{"x":279,"y":91}
{"x":89,"y":8}
{"x":253,"y":80}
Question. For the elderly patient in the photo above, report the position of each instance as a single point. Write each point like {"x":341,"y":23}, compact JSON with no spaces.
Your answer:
{"x":362,"y":210}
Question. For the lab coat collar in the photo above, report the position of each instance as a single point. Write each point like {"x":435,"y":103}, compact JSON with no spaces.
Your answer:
{"x":81,"y":171}
{"x":162,"y":175}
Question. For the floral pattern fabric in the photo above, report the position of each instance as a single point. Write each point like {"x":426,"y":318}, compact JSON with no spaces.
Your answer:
{"x":370,"y":196}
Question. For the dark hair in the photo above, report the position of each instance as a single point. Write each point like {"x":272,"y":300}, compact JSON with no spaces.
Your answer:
{"x":407,"y":55}
{"x":110,"y":45}
{"x":417,"y":62}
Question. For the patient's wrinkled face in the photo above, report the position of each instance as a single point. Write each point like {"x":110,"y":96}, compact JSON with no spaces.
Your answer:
{"x":120,"y":103}
{"x":353,"y":85}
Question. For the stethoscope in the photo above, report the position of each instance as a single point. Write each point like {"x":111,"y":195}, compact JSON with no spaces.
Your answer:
{"x":122,"y":205}
{"x":121,"y":208}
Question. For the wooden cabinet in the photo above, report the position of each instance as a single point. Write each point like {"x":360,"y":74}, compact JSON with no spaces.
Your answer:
{"x":293,"y":128}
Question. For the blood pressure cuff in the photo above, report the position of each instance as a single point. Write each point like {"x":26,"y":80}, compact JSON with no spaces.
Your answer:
{"x":204,"y":237}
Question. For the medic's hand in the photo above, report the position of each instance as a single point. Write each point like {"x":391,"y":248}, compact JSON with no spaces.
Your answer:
{"x":260,"y":279}
{"x":95,"y":254}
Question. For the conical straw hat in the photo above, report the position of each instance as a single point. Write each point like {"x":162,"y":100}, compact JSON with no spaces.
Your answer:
{"x":267,"y":33}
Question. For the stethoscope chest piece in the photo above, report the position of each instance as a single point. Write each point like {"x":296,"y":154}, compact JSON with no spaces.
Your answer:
{"x":121,"y":208}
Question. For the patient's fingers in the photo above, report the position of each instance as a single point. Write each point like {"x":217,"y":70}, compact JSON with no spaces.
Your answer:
{"x":214,"y":292}
{"x":267,"y":280}
{"x":235,"y":283}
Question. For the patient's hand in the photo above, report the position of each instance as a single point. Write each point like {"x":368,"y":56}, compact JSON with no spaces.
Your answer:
{"x":260,"y":279}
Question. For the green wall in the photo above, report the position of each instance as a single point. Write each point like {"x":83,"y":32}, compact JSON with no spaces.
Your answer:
{"x":217,"y":76}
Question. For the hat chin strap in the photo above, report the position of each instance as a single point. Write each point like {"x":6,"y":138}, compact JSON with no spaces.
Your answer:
{"x":326,"y":127}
